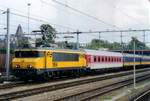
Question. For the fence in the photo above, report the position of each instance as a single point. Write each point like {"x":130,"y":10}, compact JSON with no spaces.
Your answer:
{"x":2,"y":62}
{"x":3,"y":59}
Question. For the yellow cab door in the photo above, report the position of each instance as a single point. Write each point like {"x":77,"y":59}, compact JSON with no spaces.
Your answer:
{"x":48,"y":59}
{"x":82,"y":60}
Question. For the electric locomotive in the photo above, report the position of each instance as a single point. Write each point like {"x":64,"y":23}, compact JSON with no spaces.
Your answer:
{"x":46,"y":63}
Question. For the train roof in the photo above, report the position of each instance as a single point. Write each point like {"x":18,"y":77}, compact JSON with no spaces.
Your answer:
{"x":138,"y":52}
{"x":100,"y":52}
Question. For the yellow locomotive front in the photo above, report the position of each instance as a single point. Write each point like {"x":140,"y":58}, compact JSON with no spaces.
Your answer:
{"x":26,"y":63}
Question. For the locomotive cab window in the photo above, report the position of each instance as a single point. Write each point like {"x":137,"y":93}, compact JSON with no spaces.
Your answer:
{"x":28,"y":54}
{"x":65,"y":57}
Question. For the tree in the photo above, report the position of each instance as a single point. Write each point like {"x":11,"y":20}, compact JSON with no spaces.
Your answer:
{"x":96,"y":44}
{"x":138,"y":44}
{"x":23,"y":43}
{"x":49,"y":34}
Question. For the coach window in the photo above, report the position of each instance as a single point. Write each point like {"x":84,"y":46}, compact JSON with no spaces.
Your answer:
{"x":120,"y":59}
{"x":99,"y":59}
{"x":94,"y":58}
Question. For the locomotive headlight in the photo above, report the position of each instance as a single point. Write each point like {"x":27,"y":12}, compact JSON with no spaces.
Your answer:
{"x":29,"y":66}
{"x":17,"y":66}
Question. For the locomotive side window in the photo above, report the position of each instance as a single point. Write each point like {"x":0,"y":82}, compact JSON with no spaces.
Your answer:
{"x":28,"y":54}
{"x":65,"y":57}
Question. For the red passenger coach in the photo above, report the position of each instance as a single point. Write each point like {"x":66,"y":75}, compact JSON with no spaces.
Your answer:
{"x":97,"y":59}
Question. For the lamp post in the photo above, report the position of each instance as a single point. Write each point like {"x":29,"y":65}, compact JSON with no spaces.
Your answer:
{"x":29,"y":4}
{"x":134,"y":72}
{"x":8,"y":46}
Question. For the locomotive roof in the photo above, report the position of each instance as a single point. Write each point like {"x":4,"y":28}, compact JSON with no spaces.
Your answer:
{"x":46,"y":49}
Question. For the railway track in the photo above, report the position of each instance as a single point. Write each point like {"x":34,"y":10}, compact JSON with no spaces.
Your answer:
{"x":93,"y":93}
{"x":11,"y":85}
{"x":65,"y":84}
{"x":21,"y":83}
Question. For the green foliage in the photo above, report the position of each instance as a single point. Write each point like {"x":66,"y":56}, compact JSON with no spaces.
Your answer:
{"x":97,"y":44}
{"x":39,"y":42}
{"x":49,"y":34}
{"x":138,"y":45}
{"x":3,"y":51}
{"x":23,"y":43}
{"x":66,"y":45}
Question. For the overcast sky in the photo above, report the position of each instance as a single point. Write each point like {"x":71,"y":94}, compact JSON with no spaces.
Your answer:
{"x":124,"y":14}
